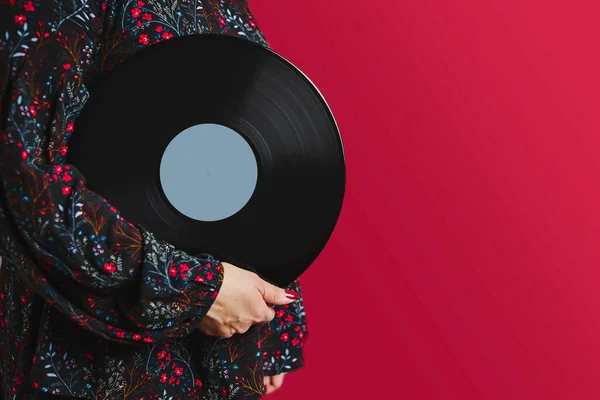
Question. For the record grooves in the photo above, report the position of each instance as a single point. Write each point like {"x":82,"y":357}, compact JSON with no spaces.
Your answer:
{"x":138,"y":109}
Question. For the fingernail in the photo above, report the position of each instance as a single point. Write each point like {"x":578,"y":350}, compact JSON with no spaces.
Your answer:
{"x":290,"y":294}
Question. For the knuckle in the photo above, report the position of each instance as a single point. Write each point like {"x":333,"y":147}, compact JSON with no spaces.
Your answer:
{"x":256,"y":319}
{"x":259,"y":316}
{"x":269,"y":315}
{"x":243,"y":329}
{"x":226,"y":333}
{"x":254,"y":277}
{"x":256,"y":314}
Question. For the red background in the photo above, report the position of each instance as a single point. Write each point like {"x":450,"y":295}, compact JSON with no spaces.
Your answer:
{"x":465,"y":262}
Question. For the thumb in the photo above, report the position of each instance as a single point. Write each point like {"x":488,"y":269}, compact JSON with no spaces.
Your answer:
{"x":275,"y":295}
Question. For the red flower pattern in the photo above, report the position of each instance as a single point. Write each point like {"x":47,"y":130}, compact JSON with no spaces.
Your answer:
{"x":110,"y":267}
{"x":94,"y":269}
{"x":20,"y":19}
{"x":144,"y":39}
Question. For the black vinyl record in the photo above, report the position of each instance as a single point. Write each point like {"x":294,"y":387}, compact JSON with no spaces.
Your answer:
{"x":135,"y":111}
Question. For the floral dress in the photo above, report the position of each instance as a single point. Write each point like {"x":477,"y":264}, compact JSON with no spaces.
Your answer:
{"x":92,"y":305}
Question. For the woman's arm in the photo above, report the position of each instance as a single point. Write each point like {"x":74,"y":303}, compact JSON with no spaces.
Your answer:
{"x":284,"y":337}
{"x":68,"y":243}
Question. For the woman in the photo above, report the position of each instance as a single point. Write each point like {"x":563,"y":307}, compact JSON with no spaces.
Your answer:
{"x":91,"y":305}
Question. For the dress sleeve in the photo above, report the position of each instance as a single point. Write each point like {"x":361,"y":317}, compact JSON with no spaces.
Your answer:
{"x":69,"y":244}
{"x":282,"y":340}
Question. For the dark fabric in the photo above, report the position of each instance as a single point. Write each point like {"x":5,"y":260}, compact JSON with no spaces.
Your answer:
{"x":44,"y":396}
{"x":92,"y":305}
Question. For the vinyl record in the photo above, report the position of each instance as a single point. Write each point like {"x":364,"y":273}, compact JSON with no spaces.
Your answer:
{"x":216,"y":145}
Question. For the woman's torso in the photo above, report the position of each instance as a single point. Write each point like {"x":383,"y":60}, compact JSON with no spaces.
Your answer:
{"x":44,"y":349}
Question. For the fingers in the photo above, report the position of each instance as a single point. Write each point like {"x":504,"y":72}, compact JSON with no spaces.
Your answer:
{"x":240,"y":306}
{"x":269,"y":314}
{"x":275,"y":295}
{"x":272,"y":383}
{"x":265,"y":315}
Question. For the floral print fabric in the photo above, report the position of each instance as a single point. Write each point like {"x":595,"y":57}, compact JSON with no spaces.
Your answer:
{"x":92,"y":305}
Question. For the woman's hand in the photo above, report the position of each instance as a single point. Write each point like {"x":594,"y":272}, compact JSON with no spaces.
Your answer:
{"x":242,"y":302}
{"x":272,"y":383}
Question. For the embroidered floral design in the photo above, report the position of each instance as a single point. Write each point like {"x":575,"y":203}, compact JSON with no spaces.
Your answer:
{"x":92,"y":305}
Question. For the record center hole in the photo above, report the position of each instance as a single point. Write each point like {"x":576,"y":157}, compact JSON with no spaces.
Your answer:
{"x":208,"y":172}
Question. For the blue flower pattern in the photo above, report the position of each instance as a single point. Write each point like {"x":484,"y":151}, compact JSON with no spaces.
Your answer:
{"x":92,"y":305}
